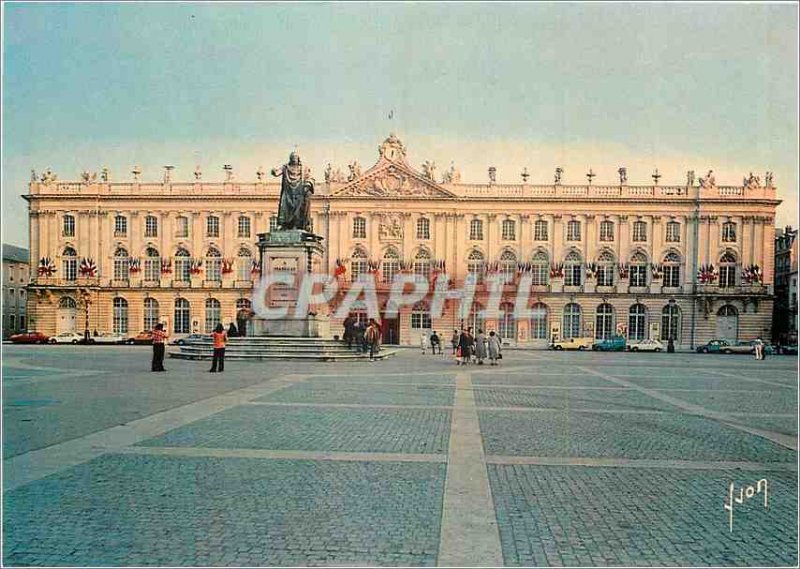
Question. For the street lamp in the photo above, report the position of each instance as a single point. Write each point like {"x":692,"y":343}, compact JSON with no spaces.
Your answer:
{"x":86,"y":303}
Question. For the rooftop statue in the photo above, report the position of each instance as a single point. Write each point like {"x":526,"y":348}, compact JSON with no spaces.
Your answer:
{"x":294,"y":207}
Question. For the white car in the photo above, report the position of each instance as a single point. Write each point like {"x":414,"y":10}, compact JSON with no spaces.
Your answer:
{"x":67,"y":338}
{"x":645,"y":346}
{"x":106,"y":338}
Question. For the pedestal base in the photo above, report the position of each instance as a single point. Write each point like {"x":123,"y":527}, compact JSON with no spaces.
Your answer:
{"x":310,"y":327}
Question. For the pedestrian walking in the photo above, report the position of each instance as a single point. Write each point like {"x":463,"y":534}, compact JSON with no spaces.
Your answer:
{"x":232,"y":331}
{"x":435,"y":343}
{"x":480,"y":347}
{"x":360,"y":336}
{"x":349,"y":330}
{"x":494,"y":348}
{"x":758,"y":348}
{"x":159,"y":337}
{"x":454,"y":341}
{"x":220,"y":338}
{"x":423,"y":342}
{"x":373,"y":338}
{"x":465,"y":347}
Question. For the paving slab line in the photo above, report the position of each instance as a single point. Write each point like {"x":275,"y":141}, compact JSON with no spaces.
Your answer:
{"x":31,"y":466}
{"x":469,"y":536}
{"x":641,"y":463}
{"x":281,"y":454}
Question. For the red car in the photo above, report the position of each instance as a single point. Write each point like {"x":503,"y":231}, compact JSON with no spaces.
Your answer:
{"x":145,"y":337}
{"x":29,"y":338}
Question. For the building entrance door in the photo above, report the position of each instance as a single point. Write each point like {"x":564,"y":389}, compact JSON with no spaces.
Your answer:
{"x":66,"y":320}
{"x":391,"y":331}
{"x":727,"y":328}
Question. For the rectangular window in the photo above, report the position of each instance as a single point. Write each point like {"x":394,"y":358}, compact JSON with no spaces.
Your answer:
{"x":359,"y":228}
{"x":423,"y":228}
{"x":152,"y":269}
{"x":182,"y":227}
{"x":273,"y":223}
{"x":638,"y":275}
{"x":70,"y":269}
{"x":572,"y":275}
{"x":357,"y":268}
{"x":672,"y":276}
{"x":120,"y":226}
{"x":509,"y":230}
{"x":673,"y":232}
{"x":244,"y":226}
{"x":183,"y":266}
{"x":606,"y":231}
{"x":639,"y":231}
{"x":476,"y":230}
{"x":573,"y":230}
{"x":151,"y":226}
{"x":540,"y":231}
{"x":22,"y":323}
{"x":12,"y":322}
{"x":539,"y":273}
{"x":69,"y":226}
{"x":390,"y":269}
{"x":213,"y":269}
{"x":212,"y":226}
{"x":729,"y":232}
{"x":605,"y":275}
{"x":727,"y":276}
{"x":421,"y":320}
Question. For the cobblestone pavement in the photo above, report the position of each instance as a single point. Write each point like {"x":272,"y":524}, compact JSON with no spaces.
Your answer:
{"x":551,"y":459}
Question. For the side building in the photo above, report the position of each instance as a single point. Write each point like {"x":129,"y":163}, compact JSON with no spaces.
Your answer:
{"x":693,"y":261}
{"x":16,"y":276}
{"x":784,"y":324}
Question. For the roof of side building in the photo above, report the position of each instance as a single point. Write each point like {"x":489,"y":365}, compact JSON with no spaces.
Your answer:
{"x":15,"y":254}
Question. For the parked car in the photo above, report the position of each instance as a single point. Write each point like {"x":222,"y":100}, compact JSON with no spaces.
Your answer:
{"x":29,"y":338}
{"x":645,"y":346}
{"x":107,"y":338}
{"x":612,"y":344}
{"x":191,"y":338}
{"x":750,"y":348}
{"x":144,"y":337}
{"x":713,"y":347}
{"x":572,"y":344}
{"x":68,"y":338}
{"x":787,"y":350}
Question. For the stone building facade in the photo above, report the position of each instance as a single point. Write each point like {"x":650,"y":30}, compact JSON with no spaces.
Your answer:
{"x":694,"y":261}
{"x":785,"y":318}
{"x":16,"y":274}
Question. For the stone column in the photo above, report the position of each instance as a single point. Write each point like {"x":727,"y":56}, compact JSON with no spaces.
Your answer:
{"x":688,"y":235}
{"x":492,"y":239}
{"x":228,"y":232}
{"x":557,"y":247}
{"x":439,"y":236}
{"x":373,"y":235}
{"x":656,"y":240}
{"x":768,"y":255}
{"x":196,"y":232}
{"x":759,"y":246}
{"x":623,"y":238}
{"x":459,"y":239}
{"x":746,"y":230}
{"x":34,"y":234}
{"x":589,"y":236}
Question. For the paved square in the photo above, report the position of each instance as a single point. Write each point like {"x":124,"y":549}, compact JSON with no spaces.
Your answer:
{"x":550,"y":459}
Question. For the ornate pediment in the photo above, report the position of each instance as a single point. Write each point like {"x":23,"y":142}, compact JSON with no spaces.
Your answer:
{"x":395,"y":181}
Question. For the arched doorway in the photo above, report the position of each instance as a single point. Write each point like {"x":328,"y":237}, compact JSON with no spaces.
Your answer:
{"x":728,"y":323}
{"x":390,"y":327}
{"x":67,"y":315}
{"x":244,"y":311}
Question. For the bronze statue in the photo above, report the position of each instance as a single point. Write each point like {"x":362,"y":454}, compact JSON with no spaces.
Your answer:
{"x":294,"y":207}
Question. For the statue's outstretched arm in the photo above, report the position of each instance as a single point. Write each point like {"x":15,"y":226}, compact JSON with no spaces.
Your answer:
{"x":277,"y":171}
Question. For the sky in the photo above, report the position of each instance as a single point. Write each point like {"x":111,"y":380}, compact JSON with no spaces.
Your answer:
{"x":670,"y":86}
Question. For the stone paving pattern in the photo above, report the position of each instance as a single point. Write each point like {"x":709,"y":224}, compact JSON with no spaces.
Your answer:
{"x":409,"y":431}
{"x":222,"y":499}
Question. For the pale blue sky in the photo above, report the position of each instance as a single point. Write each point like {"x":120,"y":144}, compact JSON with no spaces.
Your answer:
{"x":676,"y":86}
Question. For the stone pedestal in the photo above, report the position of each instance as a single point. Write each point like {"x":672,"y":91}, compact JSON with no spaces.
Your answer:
{"x":297,"y":253}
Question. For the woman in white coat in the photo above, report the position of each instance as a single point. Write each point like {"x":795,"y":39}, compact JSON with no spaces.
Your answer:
{"x":494,"y":348}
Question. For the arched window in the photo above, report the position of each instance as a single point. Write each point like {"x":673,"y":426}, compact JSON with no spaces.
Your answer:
{"x":213,"y":265}
{"x":728,"y":310}
{"x":671,"y":276}
{"x":423,"y":228}
{"x":606,"y":230}
{"x":120,"y":316}
{"x":506,"y":323}
{"x":637,"y":272}
{"x":121,"y":265}
{"x":67,"y":302}
{"x":673,"y":232}
{"x":729,"y":232}
{"x":727,"y":270}
{"x":509,"y":230}
{"x":508,"y":266}
{"x":152,"y":265}
{"x":151,"y":226}
{"x":390,"y":264}
{"x":475,"y":319}
{"x":573,"y":269}
{"x":604,"y":322}
{"x":244,"y":264}
{"x":120,"y":226}
{"x":475,"y":266}
{"x":637,"y":322}
{"x":359,"y":312}
{"x":359,"y":228}
{"x":243,"y":304}
{"x":639,"y":231}
{"x":244,"y":226}
{"x":358,"y":264}
{"x":182,"y":318}
{"x":182,"y":226}
{"x":670,"y":322}
{"x":573,"y":230}
{"x":476,"y":230}
{"x":421,"y":317}
{"x":212,"y":226}
{"x":68,"y":229}
{"x":572,"y":325}
{"x":540,"y":329}
{"x":150,"y":313}
{"x":212,"y":314}
{"x":422,"y":265}
{"x":69,"y":264}
{"x":540,"y":230}
{"x":605,"y":269}
{"x":183,"y":265}
{"x":540,"y":271}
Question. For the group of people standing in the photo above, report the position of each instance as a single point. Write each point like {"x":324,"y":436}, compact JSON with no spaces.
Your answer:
{"x":366,"y":336}
{"x":219,"y":338}
{"x":469,"y":348}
